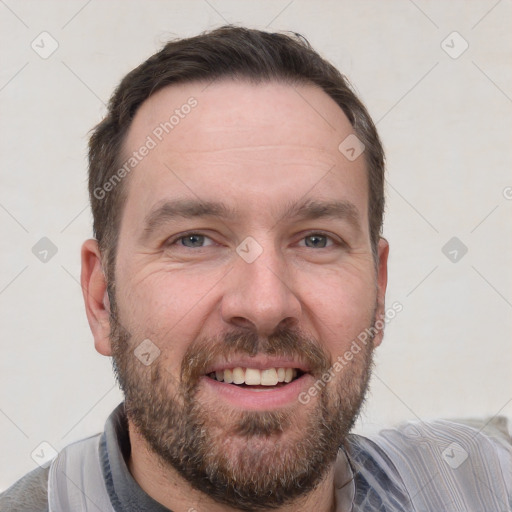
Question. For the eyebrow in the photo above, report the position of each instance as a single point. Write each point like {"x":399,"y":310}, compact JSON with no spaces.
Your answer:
{"x":193,"y":208}
{"x":183,"y":208}
{"x":314,"y":209}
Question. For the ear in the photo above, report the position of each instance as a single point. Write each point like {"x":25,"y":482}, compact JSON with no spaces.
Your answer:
{"x":94,"y":288}
{"x":382,"y":281}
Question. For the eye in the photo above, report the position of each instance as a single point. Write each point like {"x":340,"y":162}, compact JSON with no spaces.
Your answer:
{"x":194,"y":240}
{"x":317,"y":241}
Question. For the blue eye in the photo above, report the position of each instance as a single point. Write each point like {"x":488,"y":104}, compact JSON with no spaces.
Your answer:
{"x":194,"y":240}
{"x":317,"y":241}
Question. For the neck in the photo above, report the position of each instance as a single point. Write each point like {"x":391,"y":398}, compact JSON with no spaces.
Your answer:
{"x":167,"y":487}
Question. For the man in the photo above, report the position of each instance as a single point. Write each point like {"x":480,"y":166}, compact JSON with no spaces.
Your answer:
{"x":238,"y":279}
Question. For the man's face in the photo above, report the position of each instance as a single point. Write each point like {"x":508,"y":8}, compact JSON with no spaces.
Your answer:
{"x":244,"y":243}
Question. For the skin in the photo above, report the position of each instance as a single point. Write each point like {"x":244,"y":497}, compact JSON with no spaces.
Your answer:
{"x":258,"y":149}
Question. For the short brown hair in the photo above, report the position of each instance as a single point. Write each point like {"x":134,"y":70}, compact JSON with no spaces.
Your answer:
{"x":227,"y":52}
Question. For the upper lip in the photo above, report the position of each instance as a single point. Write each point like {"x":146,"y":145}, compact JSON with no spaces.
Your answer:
{"x":259,"y":362}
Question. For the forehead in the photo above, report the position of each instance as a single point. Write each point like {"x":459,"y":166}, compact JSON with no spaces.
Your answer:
{"x":244,"y":142}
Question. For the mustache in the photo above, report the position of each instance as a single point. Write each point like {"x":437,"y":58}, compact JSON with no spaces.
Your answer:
{"x":285,"y":342}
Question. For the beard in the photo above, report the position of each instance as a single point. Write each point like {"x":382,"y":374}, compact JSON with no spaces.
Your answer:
{"x":249,"y":460}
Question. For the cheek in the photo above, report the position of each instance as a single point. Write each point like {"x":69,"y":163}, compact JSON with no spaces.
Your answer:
{"x":167,"y":307}
{"x":339,"y":307}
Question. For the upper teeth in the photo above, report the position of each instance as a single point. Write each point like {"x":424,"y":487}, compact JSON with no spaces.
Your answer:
{"x":255,"y":377}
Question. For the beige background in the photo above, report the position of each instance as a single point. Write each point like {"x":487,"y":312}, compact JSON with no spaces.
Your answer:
{"x":445,"y":123}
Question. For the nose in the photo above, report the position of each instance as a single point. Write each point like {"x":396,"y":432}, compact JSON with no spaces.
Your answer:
{"x":260,"y":295}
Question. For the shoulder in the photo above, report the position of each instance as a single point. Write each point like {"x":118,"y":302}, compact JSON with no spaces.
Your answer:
{"x":477,"y":438}
{"x":29,"y":494}
{"x":467,"y":462}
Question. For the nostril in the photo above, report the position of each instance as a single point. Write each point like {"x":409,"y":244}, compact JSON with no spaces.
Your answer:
{"x":245,"y":323}
{"x":286,"y":324}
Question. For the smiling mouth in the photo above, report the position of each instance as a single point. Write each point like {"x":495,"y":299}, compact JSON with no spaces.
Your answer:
{"x":256,"y":378}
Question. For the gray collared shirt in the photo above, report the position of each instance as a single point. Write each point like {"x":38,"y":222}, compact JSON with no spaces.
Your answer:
{"x":438,"y":466}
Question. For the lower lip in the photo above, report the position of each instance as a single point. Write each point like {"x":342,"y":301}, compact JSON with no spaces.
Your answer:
{"x":259,"y":399}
